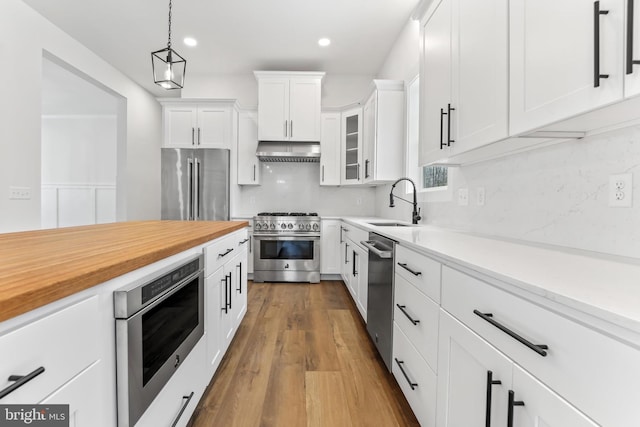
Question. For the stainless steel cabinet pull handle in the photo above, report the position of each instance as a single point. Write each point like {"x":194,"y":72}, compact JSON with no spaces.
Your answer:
{"x":538,"y":348}
{"x":199,"y":140}
{"x":596,"y":44}
{"x":411,"y":319}
{"x":490,"y":383}
{"x":225,"y":253}
{"x":187,"y":399}
{"x":411,"y":384}
{"x":20,"y":380}
{"x":404,"y":265}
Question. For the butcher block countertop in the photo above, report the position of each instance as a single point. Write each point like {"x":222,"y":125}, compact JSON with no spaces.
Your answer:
{"x":42,"y":266}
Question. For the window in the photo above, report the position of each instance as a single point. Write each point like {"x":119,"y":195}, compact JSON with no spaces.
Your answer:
{"x":432,"y":178}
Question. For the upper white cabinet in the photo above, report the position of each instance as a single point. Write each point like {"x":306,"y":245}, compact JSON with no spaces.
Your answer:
{"x":383,"y":127}
{"x":464,"y":77}
{"x":330,"y":149}
{"x":566,"y":58}
{"x":248,"y":163}
{"x":632,"y":51}
{"x":289,"y":106}
{"x":203,"y":125}
{"x":351,"y":142}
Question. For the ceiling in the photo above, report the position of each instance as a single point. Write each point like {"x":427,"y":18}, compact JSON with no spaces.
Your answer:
{"x":235,"y":36}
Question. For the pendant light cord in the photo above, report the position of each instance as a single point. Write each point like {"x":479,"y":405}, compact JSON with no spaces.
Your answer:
{"x":169,"y":43}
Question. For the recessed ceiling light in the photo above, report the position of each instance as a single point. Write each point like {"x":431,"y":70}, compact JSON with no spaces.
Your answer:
{"x":324,"y":42}
{"x":190,"y":41}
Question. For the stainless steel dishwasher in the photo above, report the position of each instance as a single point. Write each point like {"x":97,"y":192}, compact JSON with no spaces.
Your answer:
{"x":380,"y":296}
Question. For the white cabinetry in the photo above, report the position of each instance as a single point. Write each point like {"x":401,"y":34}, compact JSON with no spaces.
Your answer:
{"x":585,"y":369}
{"x":355,"y":259}
{"x":249,"y":171}
{"x":202,"y":125}
{"x":464,"y":77}
{"x":43,"y":348}
{"x":330,"y":260}
{"x":383,"y":119}
{"x":548,"y":84}
{"x":351,"y":142}
{"x":289,"y":106}
{"x":632,"y":50}
{"x":330,"y":148}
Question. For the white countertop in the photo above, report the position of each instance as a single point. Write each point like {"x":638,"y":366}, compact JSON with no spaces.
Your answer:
{"x":605,"y":288}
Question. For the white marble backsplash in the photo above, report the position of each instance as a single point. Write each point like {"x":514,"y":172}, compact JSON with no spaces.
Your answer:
{"x":295,"y":187}
{"x":555,"y":195}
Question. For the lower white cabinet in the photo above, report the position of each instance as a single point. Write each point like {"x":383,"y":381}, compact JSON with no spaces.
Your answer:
{"x":85,"y":409}
{"x":330,"y":260}
{"x":479,"y":386}
{"x":354,"y":265}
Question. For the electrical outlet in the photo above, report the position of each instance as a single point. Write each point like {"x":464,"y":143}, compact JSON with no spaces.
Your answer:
{"x":480,"y":196}
{"x":19,"y":193}
{"x":621,"y":190}
{"x":463,"y":197}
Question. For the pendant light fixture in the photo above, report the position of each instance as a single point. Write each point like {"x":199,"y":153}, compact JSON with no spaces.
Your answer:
{"x":168,"y":66}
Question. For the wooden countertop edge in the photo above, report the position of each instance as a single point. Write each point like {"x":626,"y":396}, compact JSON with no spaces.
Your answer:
{"x":14,"y":304}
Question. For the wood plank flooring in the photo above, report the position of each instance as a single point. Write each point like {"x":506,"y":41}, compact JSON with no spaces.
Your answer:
{"x":302,"y":357}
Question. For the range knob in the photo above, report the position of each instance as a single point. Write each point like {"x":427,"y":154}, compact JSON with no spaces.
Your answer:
{"x":273,"y":226}
{"x":290,"y":226}
{"x":283,"y":226}
{"x":301,"y":226}
{"x":315,"y":227}
{"x":308,"y":227}
{"x":258,"y":226}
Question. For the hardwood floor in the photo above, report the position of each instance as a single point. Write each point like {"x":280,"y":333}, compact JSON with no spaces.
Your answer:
{"x":302,"y":357}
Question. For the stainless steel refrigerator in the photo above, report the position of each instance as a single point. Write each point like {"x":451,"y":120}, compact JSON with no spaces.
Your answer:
{"x":195,"y":184}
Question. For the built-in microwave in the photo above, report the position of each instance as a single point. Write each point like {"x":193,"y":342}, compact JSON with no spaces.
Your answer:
{"x":159,"y":319}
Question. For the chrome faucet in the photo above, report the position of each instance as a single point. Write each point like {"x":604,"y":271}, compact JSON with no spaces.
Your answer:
{"x":415,"y":215}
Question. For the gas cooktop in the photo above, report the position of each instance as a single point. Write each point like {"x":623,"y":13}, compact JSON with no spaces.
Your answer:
{"x":287,"y":214}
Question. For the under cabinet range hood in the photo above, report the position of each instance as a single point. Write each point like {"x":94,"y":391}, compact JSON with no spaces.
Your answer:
{"x":300,"y":152}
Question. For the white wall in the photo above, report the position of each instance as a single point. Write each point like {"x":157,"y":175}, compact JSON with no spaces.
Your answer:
{"x":337,"y":90}
{"x":555,"y":195}
{"x":296,"y":187}
{"x":24,"y":37}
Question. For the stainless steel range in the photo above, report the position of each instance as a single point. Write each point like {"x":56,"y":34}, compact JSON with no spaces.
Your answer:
{"x":287,"y":247}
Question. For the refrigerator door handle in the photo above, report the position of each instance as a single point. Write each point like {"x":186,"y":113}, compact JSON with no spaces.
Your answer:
{"x":190,"y":189}
{"x":197,"y":190}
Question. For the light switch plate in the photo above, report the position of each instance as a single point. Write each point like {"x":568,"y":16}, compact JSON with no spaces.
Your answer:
{"x":19,"y":193}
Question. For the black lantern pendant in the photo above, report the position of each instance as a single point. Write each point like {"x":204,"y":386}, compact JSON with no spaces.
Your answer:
{"x":168,"y":66}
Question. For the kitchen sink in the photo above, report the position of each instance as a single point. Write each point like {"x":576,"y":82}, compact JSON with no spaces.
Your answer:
{"x":389,"y":224}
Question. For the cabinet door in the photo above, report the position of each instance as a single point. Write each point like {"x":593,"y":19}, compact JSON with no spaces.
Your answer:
{"x":240,"y":288}
{"x":362,"y":264}
{"x":180,"y":126}
{"x":214,"y":126}
{"x":304,"y":109}
{"x":330,"y":247}
{"x":85,"y":409}
{"x":464,"y":363}
{"x":351,"y":146}
{"x":226,"y":324}
{"x":553,"y":59}
{"x":273,"y":109}
{"x":542,"y":407}
{"x":480,"y":66}
{"x":632,"y":51}
{"x":213,"y":315}
{"x":369,"y":136}
{"x":330,"y":149}
{"x":435,"y":84}
{"x":248,"y":164}
{"x":250,"y":254}
{"x":345,"y":264}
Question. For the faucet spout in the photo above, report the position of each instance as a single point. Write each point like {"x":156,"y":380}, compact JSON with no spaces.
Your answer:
{"x":415,"y":215}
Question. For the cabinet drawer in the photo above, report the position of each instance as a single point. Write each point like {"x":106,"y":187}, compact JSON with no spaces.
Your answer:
{"x":422,"y":397}
{"x":355,"y":234}
{"x":419,"y":270}
{"x":63,"y":343}
{"x":417,"y":316}
{"x":223,"y":249}
{"x":587,"y":368}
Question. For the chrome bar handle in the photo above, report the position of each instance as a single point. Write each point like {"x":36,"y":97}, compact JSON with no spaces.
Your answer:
{"x":187,"y":399}
{"x":370,"y":245}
